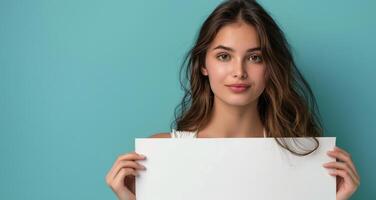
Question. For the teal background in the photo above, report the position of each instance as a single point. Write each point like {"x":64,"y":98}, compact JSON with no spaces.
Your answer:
{"x":80,"y":79}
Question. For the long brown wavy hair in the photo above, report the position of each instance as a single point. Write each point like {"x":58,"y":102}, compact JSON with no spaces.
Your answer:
{"x":287,"y":106}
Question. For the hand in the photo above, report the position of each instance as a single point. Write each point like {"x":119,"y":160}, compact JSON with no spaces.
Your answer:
{"x":121,"y":177}
{"x":343,"y":168}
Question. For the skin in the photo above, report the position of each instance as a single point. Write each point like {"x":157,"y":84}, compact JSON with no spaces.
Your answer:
{"x":234,"y":114}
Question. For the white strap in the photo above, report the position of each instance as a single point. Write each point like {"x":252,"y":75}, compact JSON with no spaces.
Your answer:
{"x":185,"y":134}
{"x":264,"y":132}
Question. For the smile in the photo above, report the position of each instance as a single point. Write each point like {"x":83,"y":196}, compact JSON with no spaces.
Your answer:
{"x":238,"y":89}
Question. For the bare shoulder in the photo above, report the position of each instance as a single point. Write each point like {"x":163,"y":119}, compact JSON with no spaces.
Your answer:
{"x":161,"y":135}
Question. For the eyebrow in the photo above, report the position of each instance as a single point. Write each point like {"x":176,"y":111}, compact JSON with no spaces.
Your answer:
{"x":230,"y":49}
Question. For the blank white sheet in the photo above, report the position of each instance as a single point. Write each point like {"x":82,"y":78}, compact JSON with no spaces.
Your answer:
{"x":233,"y":169}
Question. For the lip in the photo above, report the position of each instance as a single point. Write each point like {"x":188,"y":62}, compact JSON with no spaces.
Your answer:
{"x":238,"y":85}
{"x":237,"y":88}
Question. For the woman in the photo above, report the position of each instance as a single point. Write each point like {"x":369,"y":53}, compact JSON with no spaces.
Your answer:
{"x":243,"y":83}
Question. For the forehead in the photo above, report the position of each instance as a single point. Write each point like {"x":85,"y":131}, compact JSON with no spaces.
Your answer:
{"x":239,"y":36}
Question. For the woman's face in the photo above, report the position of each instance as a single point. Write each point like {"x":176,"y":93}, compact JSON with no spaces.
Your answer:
{"x":234,"y":57}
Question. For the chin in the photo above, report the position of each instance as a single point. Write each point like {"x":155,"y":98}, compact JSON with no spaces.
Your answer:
{"x":239,"y":101}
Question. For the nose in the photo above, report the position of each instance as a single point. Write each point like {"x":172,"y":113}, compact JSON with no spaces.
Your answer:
{"x":239,"y":70}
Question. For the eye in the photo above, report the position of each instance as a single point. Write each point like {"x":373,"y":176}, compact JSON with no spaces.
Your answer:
{"x":255,"y":58}
{"x":223,"y":57}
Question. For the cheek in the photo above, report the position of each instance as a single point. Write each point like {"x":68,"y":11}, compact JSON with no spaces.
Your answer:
{"x":258,"y":75}
{"x":217,"y":78}
{"x":217,"y":75}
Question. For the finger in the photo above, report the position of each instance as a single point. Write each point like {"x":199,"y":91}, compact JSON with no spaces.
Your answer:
{"x":129,"y":156}
{"x":118,"y":180}
{"x":345,"y":157}
{"x":336,"y":148}
{"x":345,"y":176}
{"x":129,"y":164}
{"x":125,"y":164}
{"x":349,"y":156}
{"x":343,"y":166}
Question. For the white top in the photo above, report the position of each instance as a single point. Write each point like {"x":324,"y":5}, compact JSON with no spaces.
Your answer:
{"x":192,"y":134}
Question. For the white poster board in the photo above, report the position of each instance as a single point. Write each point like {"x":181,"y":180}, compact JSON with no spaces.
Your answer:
{"x":233,"y":169}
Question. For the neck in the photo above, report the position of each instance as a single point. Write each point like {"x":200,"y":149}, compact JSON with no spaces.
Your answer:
{"x":233,"y":121}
